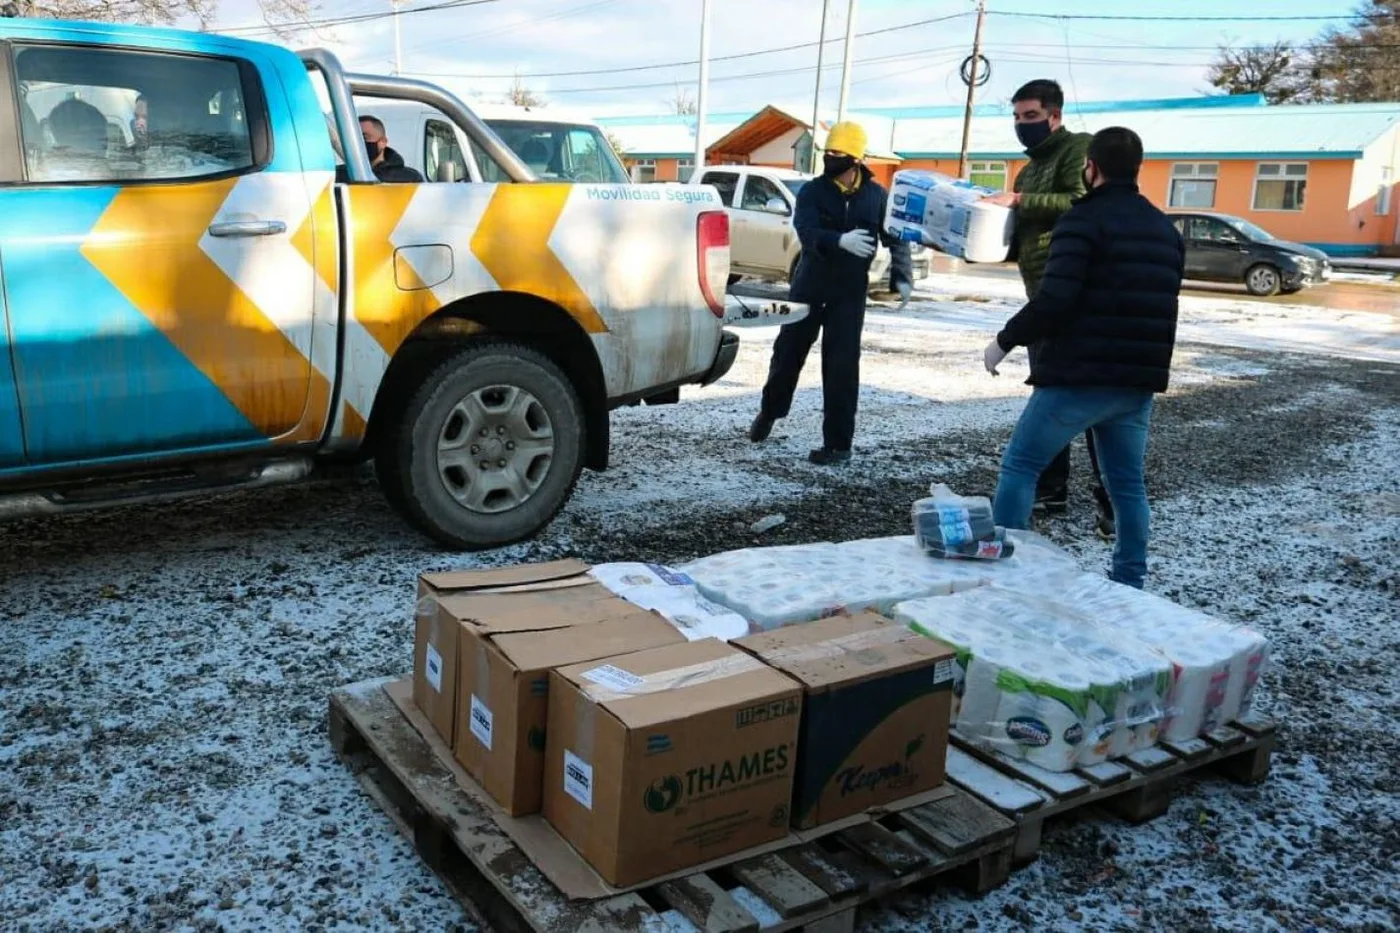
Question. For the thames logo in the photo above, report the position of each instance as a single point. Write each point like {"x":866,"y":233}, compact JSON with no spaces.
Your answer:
{"x":1027,"y":731}
{"x":663,"y":794}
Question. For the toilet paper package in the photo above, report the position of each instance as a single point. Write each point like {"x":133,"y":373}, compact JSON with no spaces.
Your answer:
{"x":773,"y":587}
{"x":959,"y":527}
{"x":1215,"y":665}
{"x":948,"y":214}
{"x":1041,"y":682}
{"x":674,"y":596}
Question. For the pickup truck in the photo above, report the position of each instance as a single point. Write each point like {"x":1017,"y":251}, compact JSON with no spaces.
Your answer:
{"x":763,"y":244}
{"x":193,"y":302}
{"x":556,"y":145}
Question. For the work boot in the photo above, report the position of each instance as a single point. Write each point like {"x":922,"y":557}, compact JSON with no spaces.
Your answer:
{"x":762,"y":427}
{"x":826,"y":456}
{"x":1055,"y":502}
{"x":1104,"y":525}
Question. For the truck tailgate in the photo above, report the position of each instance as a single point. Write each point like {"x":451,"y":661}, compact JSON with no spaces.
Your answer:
{"x":757,"y":304}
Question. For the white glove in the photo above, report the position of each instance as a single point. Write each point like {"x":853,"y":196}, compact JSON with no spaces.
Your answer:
{"x":905,"y":292}
{"x":992,"y":357}
{"x":858,"y":243}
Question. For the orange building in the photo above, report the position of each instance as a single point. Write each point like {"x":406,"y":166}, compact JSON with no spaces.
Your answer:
{"x":1321,"y":174}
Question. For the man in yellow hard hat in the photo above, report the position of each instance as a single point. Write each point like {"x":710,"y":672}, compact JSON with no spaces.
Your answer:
{"x":839,"y":219}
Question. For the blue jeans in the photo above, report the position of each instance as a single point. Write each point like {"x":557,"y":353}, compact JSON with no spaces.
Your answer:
{"x":1119,"y":419}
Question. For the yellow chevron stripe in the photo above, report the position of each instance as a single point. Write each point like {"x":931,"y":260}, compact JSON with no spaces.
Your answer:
{"x":318,"y":238}
{"x":512,"y":242}
{"x":388,"y":312}
{"x":147,"y":245}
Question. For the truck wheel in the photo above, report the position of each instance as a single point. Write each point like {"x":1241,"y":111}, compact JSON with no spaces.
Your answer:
{"x":1263,"y":280}
{"x":487,"y":449}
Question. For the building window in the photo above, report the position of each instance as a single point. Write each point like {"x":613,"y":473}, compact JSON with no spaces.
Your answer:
{"x":1280,"y":186}
{"x":683,"y":169}
{"x":644,"y":171}
{"x":1386,"y":192}
{"x":1193,"y":185}
{"x":989,"y":175}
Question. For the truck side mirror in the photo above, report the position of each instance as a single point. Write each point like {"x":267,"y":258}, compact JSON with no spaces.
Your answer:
{"x":776,"y":206}
{"x":447,"y":171}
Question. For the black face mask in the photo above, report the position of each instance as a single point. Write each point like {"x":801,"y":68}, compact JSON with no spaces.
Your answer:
{"x":1033,"y":134}
{"x":834,"y":166}
{"x":372,"y":149}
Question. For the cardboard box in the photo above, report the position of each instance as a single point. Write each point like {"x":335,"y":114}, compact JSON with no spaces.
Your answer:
{"x":875,"y":710}
{"x":669,"y":758}
{"x":435,"y":634}
{"x":503,"y":683}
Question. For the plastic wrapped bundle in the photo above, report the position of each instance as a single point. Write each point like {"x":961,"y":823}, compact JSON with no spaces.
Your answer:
{"x":773,"y":587}
{"x":948,"y":214}
{"x":1215,"y":665}
{"x":1040,"y":682}
{"x":959,"y":527}
{"x":674,"y":596}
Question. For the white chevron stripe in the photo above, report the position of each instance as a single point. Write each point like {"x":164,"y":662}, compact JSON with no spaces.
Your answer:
{"x":448,"y":214}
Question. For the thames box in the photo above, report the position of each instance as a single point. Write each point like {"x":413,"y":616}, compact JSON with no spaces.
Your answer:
{"x":435,"y":636}
{"x":875,"y":712}
{"x":503,"y":688}
{"x":666,"y":759}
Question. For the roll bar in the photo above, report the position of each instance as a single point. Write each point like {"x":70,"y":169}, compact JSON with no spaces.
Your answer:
{"x":343,"y":87}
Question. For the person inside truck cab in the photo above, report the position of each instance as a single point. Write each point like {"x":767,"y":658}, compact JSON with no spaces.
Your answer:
{"x":388,"y":165}
{"x":140,"y":122}
{"x":78,"y":131}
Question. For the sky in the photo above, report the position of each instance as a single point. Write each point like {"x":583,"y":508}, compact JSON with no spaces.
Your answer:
{"x":476,"y":49}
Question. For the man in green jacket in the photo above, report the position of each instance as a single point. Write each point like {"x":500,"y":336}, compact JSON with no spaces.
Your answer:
{"x":1044,"y":190}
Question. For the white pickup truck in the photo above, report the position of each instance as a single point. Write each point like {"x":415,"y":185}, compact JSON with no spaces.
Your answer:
{"x":762,"y":241}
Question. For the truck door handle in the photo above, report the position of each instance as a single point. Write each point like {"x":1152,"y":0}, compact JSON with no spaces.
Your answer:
{"x":242,"y":228}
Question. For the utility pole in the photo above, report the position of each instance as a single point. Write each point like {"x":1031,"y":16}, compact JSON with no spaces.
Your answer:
{"x":398,"y":37}
{"x":704,"y":86}
{"x":817,"y":94}
{"x":971,"y":88}
{"x":846,"y":61}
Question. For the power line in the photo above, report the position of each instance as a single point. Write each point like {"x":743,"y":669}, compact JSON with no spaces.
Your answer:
{"x":299,"y":25}
{"x":695,"y":61}
{"x":511,"y":27}
{"x":829,"y":66}
{"x":1166,"y":18}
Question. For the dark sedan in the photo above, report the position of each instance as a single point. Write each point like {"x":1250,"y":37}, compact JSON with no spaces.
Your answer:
{"x":1224,"y":248}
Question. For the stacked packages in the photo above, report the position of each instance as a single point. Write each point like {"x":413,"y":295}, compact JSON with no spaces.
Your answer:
{"x":948,"y":214}
{"x":1215,"y":665}
{"x":773,"y":587}
{"x":1037,"y":681}
{"x":673,"y":595}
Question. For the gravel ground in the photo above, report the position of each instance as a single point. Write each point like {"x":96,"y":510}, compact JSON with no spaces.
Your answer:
{"x":164,"y":671}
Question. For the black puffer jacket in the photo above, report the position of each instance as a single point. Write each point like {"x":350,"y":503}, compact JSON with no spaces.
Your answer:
{"x":1105,"y":314}
{"x":826,"y":272}
{"x":392,"y":169}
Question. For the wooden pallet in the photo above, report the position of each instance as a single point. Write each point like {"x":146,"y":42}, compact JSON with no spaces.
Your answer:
{"x":1136,"y":788}
{"x":815,"y":886}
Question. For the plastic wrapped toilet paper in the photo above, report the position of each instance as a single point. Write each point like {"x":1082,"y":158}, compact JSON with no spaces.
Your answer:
{"x":674,"y":596}
{"x":1215,"y":665}
{"x":1043,"y":682}
{"x":773,"y":587}
{"x":948,"y":214}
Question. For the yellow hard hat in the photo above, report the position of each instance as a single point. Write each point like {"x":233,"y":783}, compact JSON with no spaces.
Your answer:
{"x":847,"y":137}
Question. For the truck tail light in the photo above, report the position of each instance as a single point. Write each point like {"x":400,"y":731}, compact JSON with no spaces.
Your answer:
{"x":712,"y":238}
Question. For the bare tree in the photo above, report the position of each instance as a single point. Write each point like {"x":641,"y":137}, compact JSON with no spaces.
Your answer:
{"x":521,"y":96}
{"x":281,"y":15}
{"x":1277,"y":71}
{"x":682,"y":103}
{"x":1361,"y":62}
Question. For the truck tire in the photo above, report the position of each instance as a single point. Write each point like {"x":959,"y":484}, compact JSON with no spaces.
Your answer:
{"x":487,"y":448}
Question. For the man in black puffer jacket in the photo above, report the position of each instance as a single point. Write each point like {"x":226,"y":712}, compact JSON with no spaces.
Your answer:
{"x":839,"y":219}
{"x":1105,"y":321}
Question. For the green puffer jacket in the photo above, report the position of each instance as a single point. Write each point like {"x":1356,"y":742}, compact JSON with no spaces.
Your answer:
{"x":1047,"y":186}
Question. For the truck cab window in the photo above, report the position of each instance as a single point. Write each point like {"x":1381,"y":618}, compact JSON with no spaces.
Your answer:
{"x":442,"y":155}
{"x":102,"y":115}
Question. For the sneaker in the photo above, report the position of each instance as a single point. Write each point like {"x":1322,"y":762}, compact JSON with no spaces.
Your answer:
{"x":1054,"y":503}
{"x":825,"y":456}
{"x":760,"y":429}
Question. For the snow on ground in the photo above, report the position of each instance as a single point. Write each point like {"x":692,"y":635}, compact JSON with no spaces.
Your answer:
{"x":164,"y":671}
